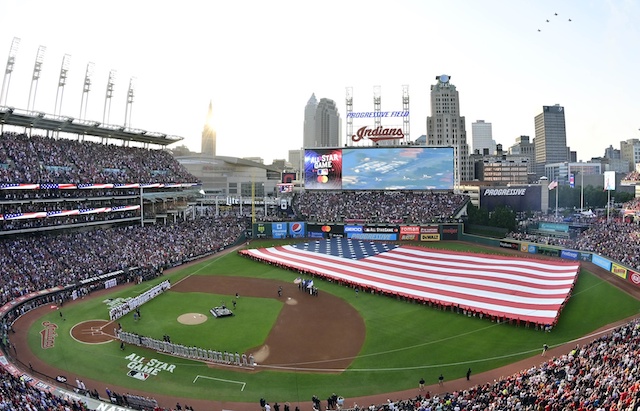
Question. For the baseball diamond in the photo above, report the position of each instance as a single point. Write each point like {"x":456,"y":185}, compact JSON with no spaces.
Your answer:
{"x":314,"y":344}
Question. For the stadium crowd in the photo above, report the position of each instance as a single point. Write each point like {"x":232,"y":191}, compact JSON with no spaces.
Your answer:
{"x":604,"y":237}
{"x":601,"y":375}
{"x":378,"y":206}
{"x":36,"y":263}
{"x":17,"y":395}
{"x":36,"y":159}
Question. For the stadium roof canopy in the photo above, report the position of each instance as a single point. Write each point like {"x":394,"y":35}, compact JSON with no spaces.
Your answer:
{"x":63,"y":124}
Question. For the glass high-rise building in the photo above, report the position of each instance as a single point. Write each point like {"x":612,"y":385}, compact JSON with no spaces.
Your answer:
{"x":309,"y":132}
{"x":551,"y":138}
{"x":208,"y":141}
{"x":322,"y":127}
{"x":446,"y":127}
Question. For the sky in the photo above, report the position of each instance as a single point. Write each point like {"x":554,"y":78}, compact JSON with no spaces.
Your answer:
{"x":259,"y":62}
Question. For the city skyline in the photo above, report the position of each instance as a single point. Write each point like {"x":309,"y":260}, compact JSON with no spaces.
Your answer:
{"x":259,"y":63}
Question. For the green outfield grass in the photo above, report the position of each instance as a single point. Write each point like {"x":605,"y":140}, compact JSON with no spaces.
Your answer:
{"x":405,"y":341}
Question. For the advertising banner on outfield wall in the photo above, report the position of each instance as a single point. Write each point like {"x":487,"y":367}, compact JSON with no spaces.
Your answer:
{"x":532,"y":249}
{"x":374,"y":236}
{"x":409,"y":233}
{"x":554,"y":252}
{"x":509,"y":245}
{"x":619,"y":270}
{"x":326,"y":230}
{"x":430,"y":233}
{"x":449,"y":232}
{"x":601,"y":262}
{"x":370,"y":232}
{"x":262,"y":230}
{"x":353,"y":229}
{"x":569,"y":254}
{"x":279,"y":230}
{"x":633,"y":277}
{"x":297,"y":229}
{"x":585,"y":257}
{"x":376,"y":229}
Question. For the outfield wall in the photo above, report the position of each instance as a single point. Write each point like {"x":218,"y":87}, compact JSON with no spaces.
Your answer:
{"x":358,"y":230}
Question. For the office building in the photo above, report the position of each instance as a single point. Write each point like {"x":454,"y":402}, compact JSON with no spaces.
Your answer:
{"x":630,"y":151}
{"x":525,"y":148}
{"x":328,"y":128}
{"x":322,"y":125}
{"x":482,"y":138}
{"x":309,"y":132}
{"x":208,"y":142}
{"x":445,"y":126}
{"x":551,"y":138}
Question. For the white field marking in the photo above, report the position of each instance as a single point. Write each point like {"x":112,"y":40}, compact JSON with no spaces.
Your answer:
{"x":220,"y":379}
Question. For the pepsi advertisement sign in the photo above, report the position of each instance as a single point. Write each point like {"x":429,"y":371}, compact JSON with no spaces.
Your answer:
{"x":296,"y":230}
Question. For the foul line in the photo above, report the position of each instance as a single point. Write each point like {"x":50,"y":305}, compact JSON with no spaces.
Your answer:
{"x":220,"y":379}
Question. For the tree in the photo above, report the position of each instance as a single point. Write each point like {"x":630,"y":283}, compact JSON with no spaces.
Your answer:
{"x":503,"y":217}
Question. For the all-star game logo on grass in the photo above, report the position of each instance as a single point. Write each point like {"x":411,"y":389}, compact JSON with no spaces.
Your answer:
{"x":141,"y":368}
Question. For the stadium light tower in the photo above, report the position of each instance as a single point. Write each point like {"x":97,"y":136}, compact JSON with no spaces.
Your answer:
{"x":62,"y":81}
{"x":106,"y":113}
{"x":86,"y":88}
{"x":130,"y":96}
{"x":349,"y":102}
{"x":377,"y":105}
{"x":37,"y":69}
{"x":13,"y":51}
{"x":405,"y":108}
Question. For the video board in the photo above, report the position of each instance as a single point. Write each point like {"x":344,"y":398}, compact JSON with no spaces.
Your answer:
{"x":323,"y":169}
{"x":380,"y":168}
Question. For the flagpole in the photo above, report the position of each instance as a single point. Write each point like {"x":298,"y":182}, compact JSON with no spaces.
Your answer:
{"x":557,"y":189}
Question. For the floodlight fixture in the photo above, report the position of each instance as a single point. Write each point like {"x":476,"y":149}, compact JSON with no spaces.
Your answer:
{"x":86,"y":88}
{"x":13,"y":51}
{"x":106,"y":113}
{"x":62,"y":81}
{"x":37,"y":68}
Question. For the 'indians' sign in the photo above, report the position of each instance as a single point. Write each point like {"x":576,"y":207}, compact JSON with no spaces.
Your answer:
{"x":377,"y":134}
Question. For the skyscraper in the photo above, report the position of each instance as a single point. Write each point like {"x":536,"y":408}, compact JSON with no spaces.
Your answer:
{"x":309,"y":132}
{"x":445,"y":126}
{"x":208,"y":142}
{"x":551,"y":138}
{"x":481,"y":137}
{"x":323,"y":129}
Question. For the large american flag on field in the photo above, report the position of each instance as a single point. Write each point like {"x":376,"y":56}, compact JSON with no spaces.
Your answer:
{"x":504,"y":287}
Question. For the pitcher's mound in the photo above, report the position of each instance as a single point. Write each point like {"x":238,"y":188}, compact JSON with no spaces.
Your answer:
{"x":192,"y":318}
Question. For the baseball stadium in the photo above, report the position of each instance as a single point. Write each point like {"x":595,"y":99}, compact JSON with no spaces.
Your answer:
{"x":356,"y":282}
{"x":151,"y":301}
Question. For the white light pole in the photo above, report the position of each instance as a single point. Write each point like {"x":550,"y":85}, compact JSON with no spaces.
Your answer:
{"x":581,"y":189}
{"x":141,"y":206}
